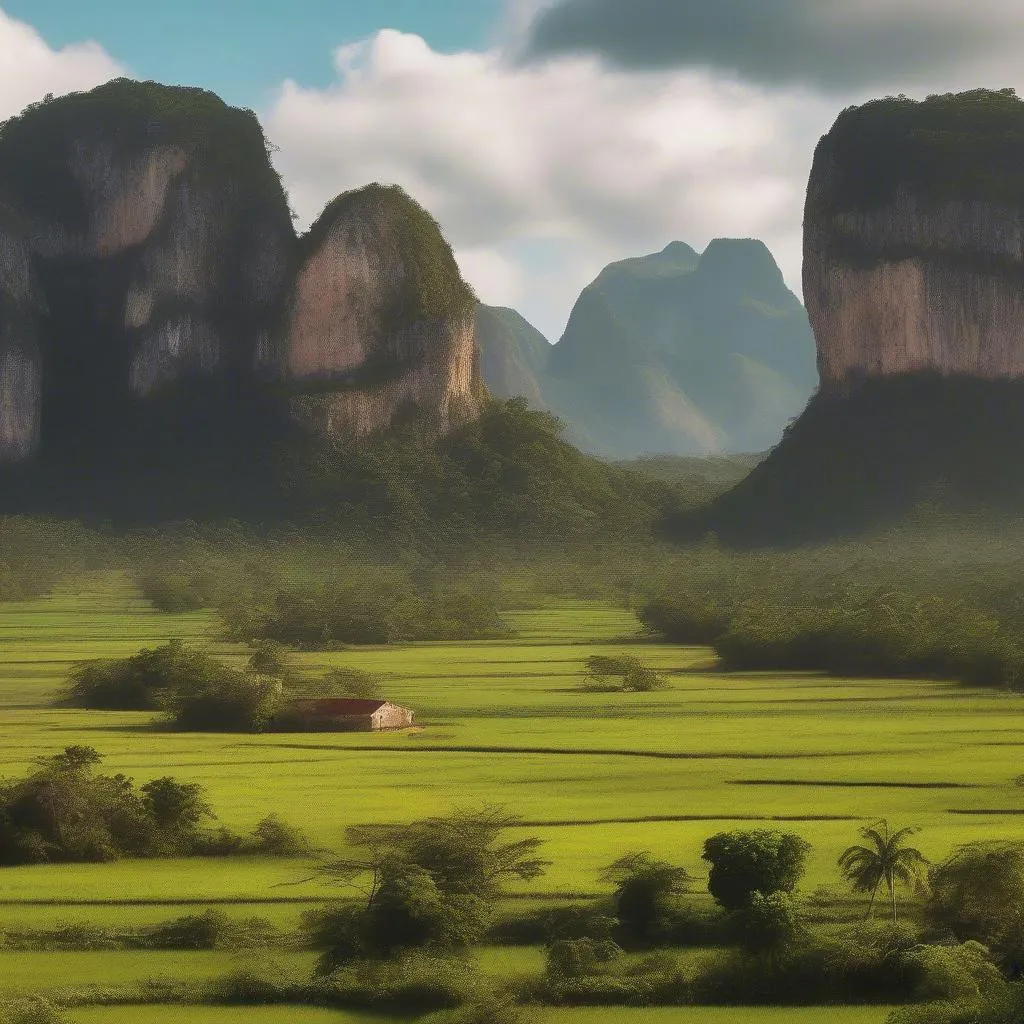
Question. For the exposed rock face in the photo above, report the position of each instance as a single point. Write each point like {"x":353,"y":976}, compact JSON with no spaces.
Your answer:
{"x":914,"y":282}
{"x":20,"y":367}
{"x":139,"y":205}
{"x":379,"y":322}
{"x":146,"y":245}
{"x":914,"y":240}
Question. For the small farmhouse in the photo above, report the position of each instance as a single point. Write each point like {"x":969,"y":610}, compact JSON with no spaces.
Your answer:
{"x":349,"y":714}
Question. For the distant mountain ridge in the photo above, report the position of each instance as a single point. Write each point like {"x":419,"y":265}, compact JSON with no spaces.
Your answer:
{"x":675,"y":352}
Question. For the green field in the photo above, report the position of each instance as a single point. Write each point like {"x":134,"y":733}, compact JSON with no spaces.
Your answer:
{"x":305,"y":1015}
{"x":593,"y":774}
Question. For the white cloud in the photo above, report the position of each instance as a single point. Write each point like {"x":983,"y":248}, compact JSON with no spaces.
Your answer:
{"x":596,"y":165}
{"x":498,"y":280}
{"x":29,"y":68}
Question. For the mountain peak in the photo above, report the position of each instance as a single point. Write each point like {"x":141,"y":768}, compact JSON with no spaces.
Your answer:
{"x":679,"y":250}
{"x":743,"y":262}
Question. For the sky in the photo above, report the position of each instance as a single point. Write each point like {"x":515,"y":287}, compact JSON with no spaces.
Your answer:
{"x":548,"y":137}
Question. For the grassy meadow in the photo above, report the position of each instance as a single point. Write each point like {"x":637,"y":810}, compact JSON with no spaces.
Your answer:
{"x":593,"y":774}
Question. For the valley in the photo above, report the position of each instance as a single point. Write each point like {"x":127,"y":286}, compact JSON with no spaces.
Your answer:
{"x":593,"y":775}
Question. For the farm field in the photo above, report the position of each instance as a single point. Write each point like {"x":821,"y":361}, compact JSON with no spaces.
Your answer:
{"x":593,"y":774}
{"x":591,"y":1015}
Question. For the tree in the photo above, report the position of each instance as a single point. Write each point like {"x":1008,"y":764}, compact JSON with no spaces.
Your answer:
{"x":66,"y":811}
{"x":644,"y":891}
{"x":624,"y":672}
{"x":745,"y":862}
{"x":410,"y":910}
{"x":432,"y":883}
{"x":269,"y":658}
{"x":353,"y":682}
{"x":176,"y":806}
{"x":978,"y":893}
{"x":887,"y":859}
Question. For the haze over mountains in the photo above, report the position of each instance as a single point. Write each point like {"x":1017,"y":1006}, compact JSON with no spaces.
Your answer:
{"x":674,"y":352}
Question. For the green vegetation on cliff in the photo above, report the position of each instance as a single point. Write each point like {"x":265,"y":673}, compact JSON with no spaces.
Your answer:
{"x":36,"y":147}
{"x":507,"y":476}
{"x":433,"y":287}
{"x":918,"y":445}
{"x":956,"y":146}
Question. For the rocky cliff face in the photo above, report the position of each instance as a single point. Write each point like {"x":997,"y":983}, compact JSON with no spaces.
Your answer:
{"x":20,"y":307}
{"x":914,"y":282}
{"x":914,"y":240}
{"x":147,"y":251}
{"x":379,"y":322}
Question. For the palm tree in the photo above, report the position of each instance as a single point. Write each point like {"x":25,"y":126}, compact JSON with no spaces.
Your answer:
{"x":884,"y":859}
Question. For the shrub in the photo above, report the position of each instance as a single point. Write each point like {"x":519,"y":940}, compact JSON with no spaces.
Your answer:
{"x":1005,"y":1007}
{"x":263,"y":981}
{"x":490,"y":1009}
{"x":276,"y":838}
{"x":268,"y":658}
{"x":576,"y":958}
{"x":409,"y":985}
{"x":329,"y":616}
{"x":953,"y":972}
{"x":542,"y":927}
{"x":768,"y":924}
{"x":350,"y":682}
{"x":208,"y":930}
{"x":175,"y":592}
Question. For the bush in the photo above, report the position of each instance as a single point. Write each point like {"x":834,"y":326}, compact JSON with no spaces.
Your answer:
{"x":1005,"y":1007}
{"x":890,"y":634}
{"x":327,"y":617}
{"x":175,"y":592}
{"x":349,"y":682}
{"x":410,"y":985}
{"x":227,"y":701}
{"x":953,"y":972}
{"x":542,"y":927}
{"x":276,"y":838}
{"x":268,"y":658}
{"x":264,"y":981}
{"x":768,"y":924}
{"x":576,"y":958}
{"x":488,"y":1010}
{"x":880,"y":964}
{"x":208,"y":930}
